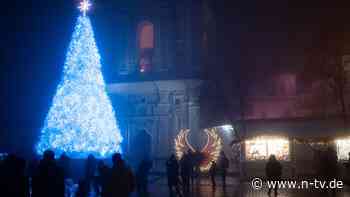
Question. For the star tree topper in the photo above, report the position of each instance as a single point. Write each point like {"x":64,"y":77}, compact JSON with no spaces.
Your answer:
{"x":84,"y":6}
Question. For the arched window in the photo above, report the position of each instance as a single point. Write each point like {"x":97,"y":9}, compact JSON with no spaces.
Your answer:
{"x":145,"y":45}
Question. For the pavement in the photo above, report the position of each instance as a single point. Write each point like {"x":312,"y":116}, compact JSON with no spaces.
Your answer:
{"x":234,"y":188}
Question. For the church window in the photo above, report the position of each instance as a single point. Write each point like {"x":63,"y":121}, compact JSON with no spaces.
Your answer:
{"x":145,"y":45}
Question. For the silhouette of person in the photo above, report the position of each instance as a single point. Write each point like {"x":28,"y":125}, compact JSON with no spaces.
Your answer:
{"x":347,"y":169}
{"x":198,"y":158}
{"x":273,"y":171}
{"x":33,"y":167}
{"x":142,"y":173}
{"x":64,"y":164}
{"x":90,"y":173}
{"x":172,"y":169}
{"x":103,"y":178}
{"x":121,"y":182}
{"x":212,"y":173}
{"x":224,"y":166}
{"x":331,"y":166}
{"x":83,"y":189}
{"x":2,"y":174}
{"x":49,"y":181}
{"x":13,"y":179}
{"x":191,"y":162}
{"x":185,"y":166}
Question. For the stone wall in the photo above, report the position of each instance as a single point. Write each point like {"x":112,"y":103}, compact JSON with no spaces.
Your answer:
{"x":161,"y":108}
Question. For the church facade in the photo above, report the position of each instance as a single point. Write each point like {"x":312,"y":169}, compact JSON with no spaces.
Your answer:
{"x":157,"y":91}
{"x":157,"y":86}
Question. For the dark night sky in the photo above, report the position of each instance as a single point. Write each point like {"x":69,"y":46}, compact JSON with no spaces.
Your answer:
{"x":35,"y":35}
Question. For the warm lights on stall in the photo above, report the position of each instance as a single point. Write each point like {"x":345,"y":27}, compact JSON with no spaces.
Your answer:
{"x":343,"y":148}
{"x":261,"y":148}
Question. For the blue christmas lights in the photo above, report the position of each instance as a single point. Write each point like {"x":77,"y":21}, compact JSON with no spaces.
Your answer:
{"x":81,"y":120}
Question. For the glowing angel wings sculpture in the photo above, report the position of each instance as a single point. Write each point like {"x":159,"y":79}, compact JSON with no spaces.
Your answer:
{"x":209,"y":153}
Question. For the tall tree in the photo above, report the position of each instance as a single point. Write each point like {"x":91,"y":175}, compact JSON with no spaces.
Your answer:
{"x":81,"y":120}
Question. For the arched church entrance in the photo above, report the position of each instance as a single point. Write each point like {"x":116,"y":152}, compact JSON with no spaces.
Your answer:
{"x":141,"y":146}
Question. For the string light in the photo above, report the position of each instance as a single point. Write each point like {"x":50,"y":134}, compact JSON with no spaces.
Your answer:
{"x":211,"y":151}
{"x":81,"y":120}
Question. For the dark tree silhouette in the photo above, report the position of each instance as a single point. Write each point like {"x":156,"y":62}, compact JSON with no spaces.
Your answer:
{"x":325,"y":67}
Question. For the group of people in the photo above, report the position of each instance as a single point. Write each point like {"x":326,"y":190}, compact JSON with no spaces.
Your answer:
{"x":183,"y":174}
{"x":47,"y":177}
{"x":118,"y":180}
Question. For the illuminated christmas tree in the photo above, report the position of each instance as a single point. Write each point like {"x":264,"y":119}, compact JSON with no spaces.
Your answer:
{"x":81,"y":120}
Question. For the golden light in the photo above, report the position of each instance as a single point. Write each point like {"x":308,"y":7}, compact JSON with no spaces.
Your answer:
{"x":211,"y":151}
{"x":260,"y":148}
{"x":181,"y":143}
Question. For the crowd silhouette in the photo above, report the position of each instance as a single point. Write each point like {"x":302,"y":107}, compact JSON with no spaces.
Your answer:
{"x":13,"y":179}
{"x":48,"y":177}
{"x":51,"y":177}
{"x":184,"y":174}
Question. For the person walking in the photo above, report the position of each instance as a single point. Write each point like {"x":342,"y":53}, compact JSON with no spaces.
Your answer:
{"x":90,"y":174}
{"x":331,"y":167}
{"x":224,"y":166}
{"x":49,"y":180}
{"x":142,"y":174}
{"x":185,"y":166}
{"x":121,"y":182}
{"x":83,"y":189}
{"x":172,"y":169}
{"x":103,"y":178}
{"x":212,"y":173}
{"x":273,"y":172}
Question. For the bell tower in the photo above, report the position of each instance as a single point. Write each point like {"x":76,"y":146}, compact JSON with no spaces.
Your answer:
{"x":164,"y":39}
{"x":164,"y":46}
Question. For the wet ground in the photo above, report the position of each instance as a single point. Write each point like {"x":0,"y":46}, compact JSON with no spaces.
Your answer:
{"x":234,"y":188}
